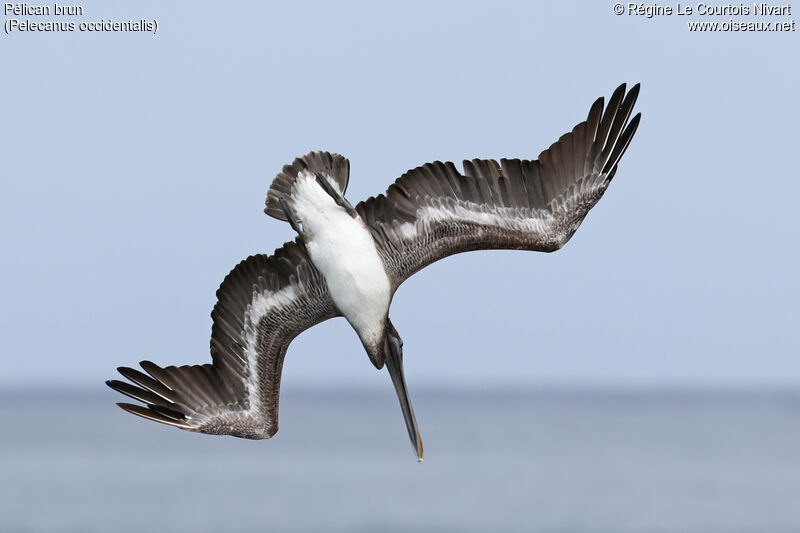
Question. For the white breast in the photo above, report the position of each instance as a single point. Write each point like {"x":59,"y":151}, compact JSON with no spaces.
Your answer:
{"x":344,"y":252}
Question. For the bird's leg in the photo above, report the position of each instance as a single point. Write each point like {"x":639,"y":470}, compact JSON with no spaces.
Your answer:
{"x":338,"y":198}
{"x":291,"y":218}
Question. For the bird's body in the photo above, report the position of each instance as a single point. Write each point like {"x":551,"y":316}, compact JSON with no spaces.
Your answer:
{"x":344,"y":252}
{"x":349,"y":261}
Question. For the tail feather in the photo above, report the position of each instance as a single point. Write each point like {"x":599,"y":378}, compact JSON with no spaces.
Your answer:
{"x":334,"y":166}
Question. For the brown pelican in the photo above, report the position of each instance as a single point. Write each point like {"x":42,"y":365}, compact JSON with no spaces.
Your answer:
{"x":349,"y":261}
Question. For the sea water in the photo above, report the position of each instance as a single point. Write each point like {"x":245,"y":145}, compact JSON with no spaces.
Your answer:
{"x":535,"y":461}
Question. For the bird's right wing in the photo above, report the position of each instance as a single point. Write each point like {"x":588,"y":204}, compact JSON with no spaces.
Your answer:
{"x":434,"y":211}
{"x":262,"y":305}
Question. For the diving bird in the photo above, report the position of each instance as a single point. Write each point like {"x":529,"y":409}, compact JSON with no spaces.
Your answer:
{"x":349,"y":261}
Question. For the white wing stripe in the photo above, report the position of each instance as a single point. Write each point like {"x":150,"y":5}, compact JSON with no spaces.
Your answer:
{"x":511,"y":218}
{"x":262,"y":304}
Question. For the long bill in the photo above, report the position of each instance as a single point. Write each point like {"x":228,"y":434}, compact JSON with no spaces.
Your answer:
{"x":394,"y":363}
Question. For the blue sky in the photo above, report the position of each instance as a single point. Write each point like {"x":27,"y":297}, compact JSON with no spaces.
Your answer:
{"x":136,"y":167}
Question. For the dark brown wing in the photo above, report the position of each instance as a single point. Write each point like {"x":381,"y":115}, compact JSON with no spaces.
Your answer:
{"x":263,"y":304}
{"x":435,"y":211}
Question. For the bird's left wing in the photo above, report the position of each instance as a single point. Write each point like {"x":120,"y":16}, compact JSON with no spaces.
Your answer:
{"x":263,"y":304}
{"x":435,"y":211}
